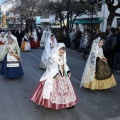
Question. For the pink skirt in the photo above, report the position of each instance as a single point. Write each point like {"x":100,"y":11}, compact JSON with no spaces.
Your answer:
{"x":62,"y":95}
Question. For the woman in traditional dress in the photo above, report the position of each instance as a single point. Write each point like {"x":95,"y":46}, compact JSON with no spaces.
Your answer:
{"x":11,"y":66}
{"x":97,"y":74}
{"x":3,"y":40}
{"x":26,"y":43}
{"x":35,"y":39}
{"x":51,"y":42}
{"x":55,"y":89}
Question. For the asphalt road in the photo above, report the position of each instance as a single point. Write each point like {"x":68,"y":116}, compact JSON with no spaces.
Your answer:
{"x":93,"y":105}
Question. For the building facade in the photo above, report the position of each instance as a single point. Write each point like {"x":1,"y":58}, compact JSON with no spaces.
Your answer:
{"x":99,"y":21}
{"x":9,"y":17}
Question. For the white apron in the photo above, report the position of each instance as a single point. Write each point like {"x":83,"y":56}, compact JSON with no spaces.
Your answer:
{"x":12,"y":61}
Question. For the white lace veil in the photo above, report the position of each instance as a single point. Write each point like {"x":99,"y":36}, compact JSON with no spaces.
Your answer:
{"x":46,"y":52}
{"x":90,"y":68}
{"x":52,"y":64}
{"x":44,"y":37}
{"x":35,"y":35}
{"x":55,"y":51}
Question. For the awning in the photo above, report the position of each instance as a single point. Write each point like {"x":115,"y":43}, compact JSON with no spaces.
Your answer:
{"x":87,"y":21}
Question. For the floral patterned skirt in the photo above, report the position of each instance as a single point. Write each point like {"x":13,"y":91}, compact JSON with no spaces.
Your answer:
{"x":62,"y":95}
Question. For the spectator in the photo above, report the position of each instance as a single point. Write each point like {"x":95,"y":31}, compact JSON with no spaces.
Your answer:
{"x":72,"y":37}
{"x":110,"y":48}
{"x":77,"y":39}
{"x":117,"y":54}
{"x":85,"y":43}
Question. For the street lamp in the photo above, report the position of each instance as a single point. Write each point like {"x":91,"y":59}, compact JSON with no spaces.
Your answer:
{"x":92,"y":2}
{"x":68,"y":9}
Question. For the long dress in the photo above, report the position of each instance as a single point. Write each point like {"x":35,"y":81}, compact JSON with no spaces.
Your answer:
{"x":102,"y":74}
{"x":34,"y":41}
{"x":2,"y":45}
{"x":55,"y":93}
{"x":25,"y":46}
{"x":46,"y":53}
{"x":11,"y":66}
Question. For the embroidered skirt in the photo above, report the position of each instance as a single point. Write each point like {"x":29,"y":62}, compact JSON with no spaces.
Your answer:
{"x":62,"y":95}
{"x":11,"y":72}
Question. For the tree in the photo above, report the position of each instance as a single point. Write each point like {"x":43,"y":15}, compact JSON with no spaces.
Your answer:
{"x":77,"y":8}
{"x":58,"y":8}
{"x":28,"y":9}
{"x":112,"y":9}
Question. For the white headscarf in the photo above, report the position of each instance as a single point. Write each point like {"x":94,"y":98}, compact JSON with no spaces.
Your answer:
{"x":90,"y":68}
{"x":53,"y":65}
{"x":2,"y":33}
{"x":12,"y":36}
{"x":44,"y":37}
{"x":3,"y":39}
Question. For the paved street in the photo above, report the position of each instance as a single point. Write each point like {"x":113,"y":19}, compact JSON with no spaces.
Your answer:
{"x":93,"y":105}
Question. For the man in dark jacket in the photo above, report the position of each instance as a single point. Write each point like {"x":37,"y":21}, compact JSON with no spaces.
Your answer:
{"x":19,"y":36}
{"x":110,"y":48}
{"x":117,"y":54}
{"x":77,"y":39}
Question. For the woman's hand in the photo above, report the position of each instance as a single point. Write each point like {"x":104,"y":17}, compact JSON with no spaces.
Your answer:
{"x":19,"y":59}
{"x":69,"y":75}
{"x":104,"y":59}
{"x":57,"y":77}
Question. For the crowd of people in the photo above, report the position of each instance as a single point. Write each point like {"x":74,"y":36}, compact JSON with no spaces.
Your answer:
{"x":55,"y":89}
{"x":82,"y":42}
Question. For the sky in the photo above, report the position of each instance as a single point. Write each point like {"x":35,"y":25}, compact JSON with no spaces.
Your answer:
{"x":2,"y":1}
